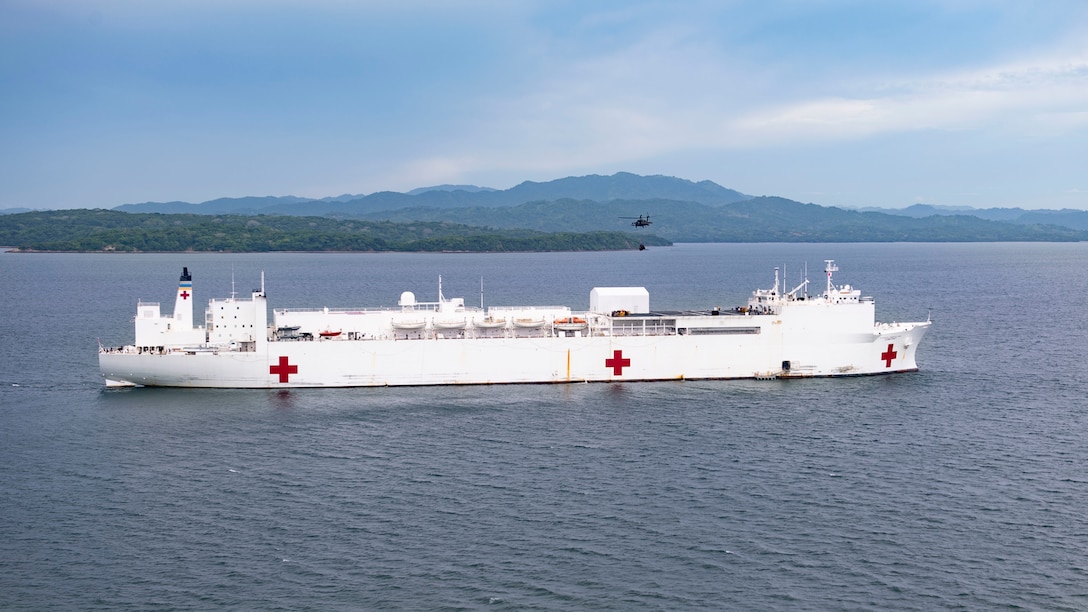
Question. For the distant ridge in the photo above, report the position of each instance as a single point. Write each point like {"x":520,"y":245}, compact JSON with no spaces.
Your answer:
{"x":220,"y":206}
{"x":625,"y":186}
{"x":1066,"y":217}
{"x":468,"y":188}
{"x":683,"y":211}
{"x":622,"y":185}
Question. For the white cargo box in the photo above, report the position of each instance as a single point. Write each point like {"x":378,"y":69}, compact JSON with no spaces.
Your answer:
{"x":635,"y":300}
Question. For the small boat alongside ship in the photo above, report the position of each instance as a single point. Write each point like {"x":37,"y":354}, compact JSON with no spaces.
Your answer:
{"x":619,"y":338}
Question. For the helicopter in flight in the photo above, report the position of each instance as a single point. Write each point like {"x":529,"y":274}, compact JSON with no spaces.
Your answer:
{"x":640,"y":221}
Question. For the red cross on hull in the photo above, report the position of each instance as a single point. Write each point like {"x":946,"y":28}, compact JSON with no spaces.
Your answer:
{"x":889,"y":355}
{"x":283,"y":369}
{"x":618,"y":362}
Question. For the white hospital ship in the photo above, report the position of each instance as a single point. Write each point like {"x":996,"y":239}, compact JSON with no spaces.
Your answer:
{"x":778,"y":334}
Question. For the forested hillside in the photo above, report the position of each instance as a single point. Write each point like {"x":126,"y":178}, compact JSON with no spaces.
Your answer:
{"x":106,"y":230}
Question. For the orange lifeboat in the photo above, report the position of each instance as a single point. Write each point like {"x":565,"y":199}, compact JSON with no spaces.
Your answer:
{"x":570,"y":321}
{"x":570,"y":324}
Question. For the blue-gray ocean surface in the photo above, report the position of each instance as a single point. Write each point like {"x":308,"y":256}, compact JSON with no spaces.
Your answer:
{"x":962,"y":486}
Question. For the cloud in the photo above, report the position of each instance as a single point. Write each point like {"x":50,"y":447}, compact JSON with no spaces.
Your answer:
{"x":626,"y":104}
{"x":1007,"y":98}
{"x":667,"y":94}
{"x":671,"y":95}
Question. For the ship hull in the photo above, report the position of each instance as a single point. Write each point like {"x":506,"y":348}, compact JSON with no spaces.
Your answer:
{"x":773,"y":353}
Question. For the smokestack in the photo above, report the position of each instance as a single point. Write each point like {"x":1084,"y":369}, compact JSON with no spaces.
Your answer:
{"x":183,"y":305}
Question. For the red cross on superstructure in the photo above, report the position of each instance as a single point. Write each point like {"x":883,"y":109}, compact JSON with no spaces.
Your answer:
{"x":618,"y":362}
{"x":888,"y":355}
{"x":283,"y":369}
{"x":184,"y":295}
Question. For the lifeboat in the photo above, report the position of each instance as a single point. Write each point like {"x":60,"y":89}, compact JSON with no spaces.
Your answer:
{"x":450,"y":324}
{"x":328,"y":333}
{"x":490,"y":323}
{"x":570,"y":323}
{"x":409,"y":325}
{"x":529,"y":323}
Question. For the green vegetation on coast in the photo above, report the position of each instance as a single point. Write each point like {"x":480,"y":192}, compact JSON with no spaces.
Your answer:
{"x":99,"y":230}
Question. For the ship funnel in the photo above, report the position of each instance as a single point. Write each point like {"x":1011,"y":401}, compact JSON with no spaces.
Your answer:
{"x":183,"y":305}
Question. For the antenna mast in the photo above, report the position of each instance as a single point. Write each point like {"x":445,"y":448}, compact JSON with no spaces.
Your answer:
{"x":829,"y":268}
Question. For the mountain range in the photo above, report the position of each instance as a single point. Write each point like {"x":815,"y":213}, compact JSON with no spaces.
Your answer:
{"x":622,"y":185}
{"x":681,"y":210}
{"x":1066,"y":217}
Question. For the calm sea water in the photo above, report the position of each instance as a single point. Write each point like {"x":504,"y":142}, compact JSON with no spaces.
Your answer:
{"x":964,"y":485}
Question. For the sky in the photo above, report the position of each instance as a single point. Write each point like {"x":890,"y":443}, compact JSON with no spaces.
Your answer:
{"x":849,"y":103}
